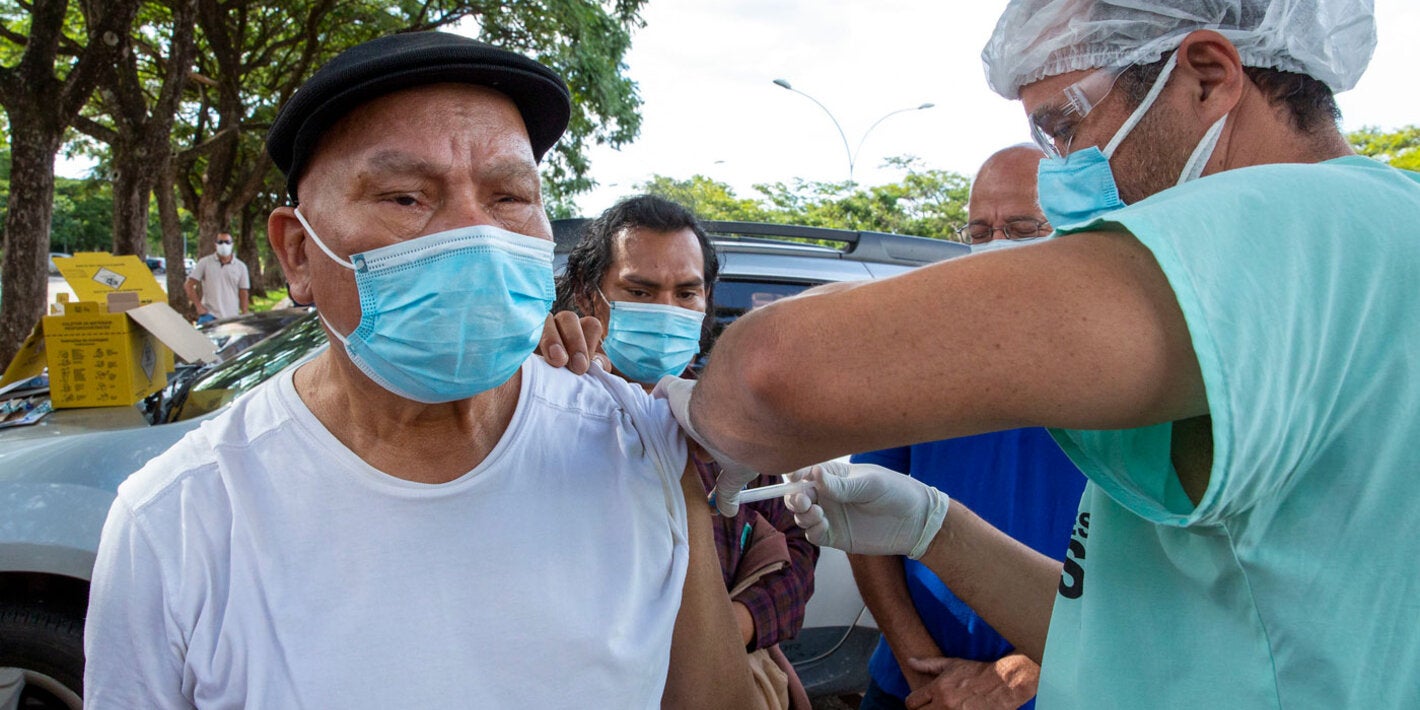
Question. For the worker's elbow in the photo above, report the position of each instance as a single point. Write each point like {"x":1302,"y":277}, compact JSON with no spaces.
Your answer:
{"x":767,"y":384}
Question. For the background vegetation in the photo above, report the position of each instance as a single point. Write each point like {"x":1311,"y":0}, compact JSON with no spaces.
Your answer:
{"x":173,"y":99}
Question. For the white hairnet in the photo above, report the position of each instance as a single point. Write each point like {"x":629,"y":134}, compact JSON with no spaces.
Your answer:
{"x":1328,"y":40}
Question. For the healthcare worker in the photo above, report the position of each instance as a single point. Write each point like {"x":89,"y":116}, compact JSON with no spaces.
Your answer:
{"x":1222,"y":333}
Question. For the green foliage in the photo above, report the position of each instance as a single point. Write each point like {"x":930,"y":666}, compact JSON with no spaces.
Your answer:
{"x":83,"y":216}
{"x":924,"y":202}
{"x":1400,"y":148}
{"x":585,"y":41}
{"x":707,"y":198}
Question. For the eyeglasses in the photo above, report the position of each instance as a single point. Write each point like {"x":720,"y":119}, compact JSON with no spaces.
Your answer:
{"x":1056,"y":123}
{"x":1026,"y":228}
{"x":224,"y":241}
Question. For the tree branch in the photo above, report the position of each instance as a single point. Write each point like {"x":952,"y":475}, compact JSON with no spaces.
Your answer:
{"x":95,"y":130}
{"x":107,"y":40}
{"x":16,"y":37}
{"x":192,"y":153}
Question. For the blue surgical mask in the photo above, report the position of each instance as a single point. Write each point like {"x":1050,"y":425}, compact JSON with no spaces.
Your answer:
{"x":1080,"y":187}
{"x":647,"y":341}
{"x":1000,"y":244}
{"x":449,"y":315}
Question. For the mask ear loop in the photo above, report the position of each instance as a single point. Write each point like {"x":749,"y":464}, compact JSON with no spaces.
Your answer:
{"x":1193,"y":169}
{"x":302,"y":219}
{"x":1144,"y":106}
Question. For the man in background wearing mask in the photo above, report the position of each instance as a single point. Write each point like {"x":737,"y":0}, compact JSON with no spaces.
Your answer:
{"x":219,"y":285}
{"x":1230,"y":360}
{"x":646,"y":270}
{"x":425,"y":514}
{"x":935,"y":651}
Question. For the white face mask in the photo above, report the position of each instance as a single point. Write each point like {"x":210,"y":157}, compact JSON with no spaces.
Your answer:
{"x":224,"y":250}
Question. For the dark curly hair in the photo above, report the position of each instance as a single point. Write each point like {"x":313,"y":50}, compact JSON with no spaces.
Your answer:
{"x":589,"y":260}
{"x":1309,"y":102}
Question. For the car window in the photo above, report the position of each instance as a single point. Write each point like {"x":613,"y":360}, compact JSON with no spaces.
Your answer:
{"x":250,"y":368}
{"x":734,"y":298}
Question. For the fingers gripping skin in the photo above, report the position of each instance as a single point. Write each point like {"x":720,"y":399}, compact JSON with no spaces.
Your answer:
{"x":734,"y":476}
{"x":867,"y":510}
{"x":959,"y":683}
{"x":570,"y":342}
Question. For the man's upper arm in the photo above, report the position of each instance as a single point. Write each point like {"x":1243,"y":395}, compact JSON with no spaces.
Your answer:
{"x":1080,"y":332}
{"x":708,"y":666}
{"x":130,"y":654}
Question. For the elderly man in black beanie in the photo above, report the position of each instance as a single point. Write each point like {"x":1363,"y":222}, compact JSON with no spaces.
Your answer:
{"x":425,"y":514}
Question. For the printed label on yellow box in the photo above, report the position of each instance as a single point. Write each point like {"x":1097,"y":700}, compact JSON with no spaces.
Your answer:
{"x":99,"y":359}
{"x":94,"y":275}
{"x":109,"y":278}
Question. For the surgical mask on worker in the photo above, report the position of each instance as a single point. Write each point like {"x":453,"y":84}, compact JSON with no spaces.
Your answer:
{"x":449,"y":315}
{"x":647,"y":341}
{"x":999,"y":244}
{"x":1080,"y":187}
{"x":224,"y":249}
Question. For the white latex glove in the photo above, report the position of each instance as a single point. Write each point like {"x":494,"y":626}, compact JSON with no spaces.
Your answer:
{"x":867,"y":510}
{"x":734,"y":476}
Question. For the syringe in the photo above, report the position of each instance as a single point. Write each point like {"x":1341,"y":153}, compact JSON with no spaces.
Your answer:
{"x":754,"y":495}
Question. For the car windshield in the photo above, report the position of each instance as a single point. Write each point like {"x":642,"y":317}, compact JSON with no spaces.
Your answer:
{"x":251,"y":367}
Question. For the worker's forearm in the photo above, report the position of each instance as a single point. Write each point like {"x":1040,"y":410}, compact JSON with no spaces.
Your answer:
{"x":708,"y":665}
{"x":1096,"y":340}
{"x":883,"y":586}
{"x":1008,"y":584}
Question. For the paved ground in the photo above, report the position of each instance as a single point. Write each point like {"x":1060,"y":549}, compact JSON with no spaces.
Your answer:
{"x":836,"y":703}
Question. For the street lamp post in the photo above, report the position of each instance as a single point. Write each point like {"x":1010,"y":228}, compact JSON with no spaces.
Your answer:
{"x":852,"y":153}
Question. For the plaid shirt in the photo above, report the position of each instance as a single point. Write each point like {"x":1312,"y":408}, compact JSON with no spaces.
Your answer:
{"x":776,"y":600}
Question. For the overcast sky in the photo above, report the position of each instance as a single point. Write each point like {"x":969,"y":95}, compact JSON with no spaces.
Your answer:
{"x":705,"y":70}
{"x":706,"y":67}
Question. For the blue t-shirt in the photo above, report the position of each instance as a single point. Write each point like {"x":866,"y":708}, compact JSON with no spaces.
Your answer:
{"x":1295,"y":581}
{"x":1020,"y":482}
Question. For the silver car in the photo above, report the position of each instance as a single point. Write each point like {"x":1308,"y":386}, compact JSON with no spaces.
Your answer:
{"x":58,"y":477}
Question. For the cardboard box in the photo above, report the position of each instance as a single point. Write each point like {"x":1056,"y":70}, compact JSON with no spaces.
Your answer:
{"x":106,"y":349}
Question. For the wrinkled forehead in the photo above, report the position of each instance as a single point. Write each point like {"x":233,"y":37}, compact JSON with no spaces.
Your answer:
{"x":419,"y":130}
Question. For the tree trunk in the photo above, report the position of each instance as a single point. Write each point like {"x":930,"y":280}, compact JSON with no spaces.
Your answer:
{"x":40,"y":106}
{"x":211,"y":220}
{"x":142,"y":131}
{"x":25,"y":273}
{"x":174,"y":241}
{"x":249,"y":249}
{"x":132,"y":182}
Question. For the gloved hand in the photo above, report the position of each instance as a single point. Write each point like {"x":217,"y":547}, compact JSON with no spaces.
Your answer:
{"x":867,"y":510}
{"x":206,"y":318}
{"x":734,"y":476}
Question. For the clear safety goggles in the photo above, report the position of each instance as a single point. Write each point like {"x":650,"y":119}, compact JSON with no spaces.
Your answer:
{"x":1054,"y":125}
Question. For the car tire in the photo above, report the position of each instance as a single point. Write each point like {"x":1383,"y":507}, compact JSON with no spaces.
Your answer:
{"x":46,"y":646}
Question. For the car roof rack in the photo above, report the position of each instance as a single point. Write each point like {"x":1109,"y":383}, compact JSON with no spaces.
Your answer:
{"x":880,"y":247}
